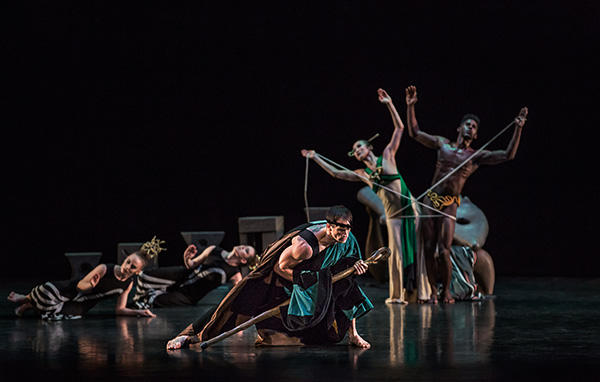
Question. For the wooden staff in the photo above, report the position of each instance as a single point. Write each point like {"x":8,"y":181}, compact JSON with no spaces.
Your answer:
{"x":380,"y":254}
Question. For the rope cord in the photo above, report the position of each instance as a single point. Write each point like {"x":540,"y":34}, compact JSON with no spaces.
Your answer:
{"x":385,"y":188}
{"x":306,"y":190}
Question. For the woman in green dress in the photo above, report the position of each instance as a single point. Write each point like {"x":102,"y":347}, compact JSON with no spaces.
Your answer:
{"x":381,"y":174}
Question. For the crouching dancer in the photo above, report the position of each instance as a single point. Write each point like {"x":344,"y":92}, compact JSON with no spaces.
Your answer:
{"x":71,"y":299}
{"x":299,"y":267}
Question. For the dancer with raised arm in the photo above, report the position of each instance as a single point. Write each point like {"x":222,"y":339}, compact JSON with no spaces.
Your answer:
{"x":456,"y":161}
{"x":382,"y":170}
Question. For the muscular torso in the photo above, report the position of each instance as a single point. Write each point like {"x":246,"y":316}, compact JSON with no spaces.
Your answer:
{"x":450,"y":157}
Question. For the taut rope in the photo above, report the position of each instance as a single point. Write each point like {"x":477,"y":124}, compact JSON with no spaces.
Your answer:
{"x":462,"y":164}
{"x":386,"y":188}
{"x":306,"y":190}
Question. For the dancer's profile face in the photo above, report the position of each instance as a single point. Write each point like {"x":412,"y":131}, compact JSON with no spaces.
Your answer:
{"x":340,"y":230}
{"x":361,"y":149}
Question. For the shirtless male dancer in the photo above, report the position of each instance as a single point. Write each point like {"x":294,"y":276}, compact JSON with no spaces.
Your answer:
{"x":446,"y":196}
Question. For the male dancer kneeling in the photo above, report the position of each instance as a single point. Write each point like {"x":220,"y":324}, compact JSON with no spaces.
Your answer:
{"x":298,"y":266}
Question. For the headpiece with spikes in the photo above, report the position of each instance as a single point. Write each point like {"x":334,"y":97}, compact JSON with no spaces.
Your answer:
{"x":256,"y":262}
{"x":153,"y":247}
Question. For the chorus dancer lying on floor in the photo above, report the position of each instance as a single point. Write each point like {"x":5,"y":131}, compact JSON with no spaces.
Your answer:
{"x":71,"y":299}
{"x":187,"y":284}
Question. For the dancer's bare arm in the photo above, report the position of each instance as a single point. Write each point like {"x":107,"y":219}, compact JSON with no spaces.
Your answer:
{"x":499,"y":156}
{"x":192,"y":262}
{"x":91,"y":279}
{"x":392,"y":147}
{"x":236,"y":278}
{"x":293,"y":255}
{"x":122,"y":310}
{"x":339,"y":174}
{"x":427,"y":140}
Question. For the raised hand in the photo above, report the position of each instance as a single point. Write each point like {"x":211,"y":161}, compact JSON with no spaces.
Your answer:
{"x":189,"y":253}
{"x":522,"y":117}
{"x":411,"y":95}
{"x":308,"y":153}
{"x":94,"y":280}
{"x":383,"y":96}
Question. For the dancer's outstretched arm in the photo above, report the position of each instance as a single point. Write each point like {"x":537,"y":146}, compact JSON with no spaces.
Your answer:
{"x":499,"y":156}
{"x":192,"y":262}
{"x":339,"y":174}
{"x":122,"y":310}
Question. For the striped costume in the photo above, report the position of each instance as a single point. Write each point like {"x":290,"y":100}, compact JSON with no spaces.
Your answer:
{"x":463,"y":285}
{"x":58,"y":300}
{"x":177,"y":285}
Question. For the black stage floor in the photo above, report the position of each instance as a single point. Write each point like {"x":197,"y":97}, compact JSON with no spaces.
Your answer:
{"x":534,"y":329}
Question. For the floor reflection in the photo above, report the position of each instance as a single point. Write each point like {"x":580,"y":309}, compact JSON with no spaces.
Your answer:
{"x":463,"y":333}
{"x":122,"y":351}
{"x":510,"y":337}
{"x":442,"y":334}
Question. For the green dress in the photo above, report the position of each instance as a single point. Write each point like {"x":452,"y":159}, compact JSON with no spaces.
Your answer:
{"x":402,"y":230}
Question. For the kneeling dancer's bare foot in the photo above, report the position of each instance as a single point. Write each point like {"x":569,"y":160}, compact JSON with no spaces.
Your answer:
{"x":358,"y":341}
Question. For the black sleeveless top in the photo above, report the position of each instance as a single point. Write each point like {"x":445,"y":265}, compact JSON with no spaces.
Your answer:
{"x":311,"y":239}
{"x":108,"y":286}
{"x":216,"y":260}
{"x":315,"y":262}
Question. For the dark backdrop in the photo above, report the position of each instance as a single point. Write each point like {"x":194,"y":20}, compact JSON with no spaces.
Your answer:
{"x":135,"y":120}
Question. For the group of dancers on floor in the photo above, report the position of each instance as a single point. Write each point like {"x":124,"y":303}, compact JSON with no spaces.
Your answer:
{"x":296,"y":277}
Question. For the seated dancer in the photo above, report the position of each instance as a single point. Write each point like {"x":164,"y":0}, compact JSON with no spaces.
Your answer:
{"x":382,"y":170}
{"x":447,"y":185}
{"x":186,"y":285}
{"x":70,"y":299}
{"x":299,"y":267}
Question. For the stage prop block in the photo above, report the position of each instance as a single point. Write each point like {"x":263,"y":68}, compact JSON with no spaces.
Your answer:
{"x":260,"y":231}
{"x":203,"y":238}
{"x":82,"y":262}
